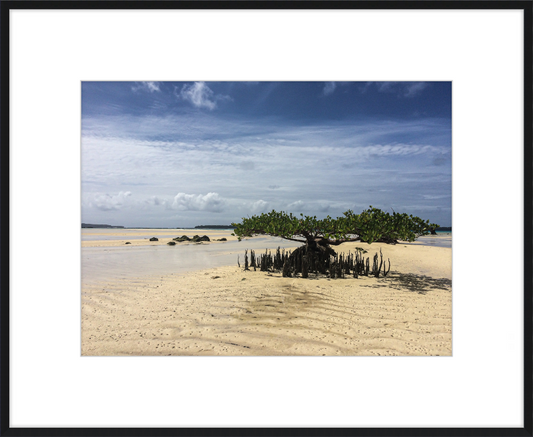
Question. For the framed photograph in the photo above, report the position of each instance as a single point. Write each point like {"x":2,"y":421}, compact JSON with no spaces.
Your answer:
{"x":292,"y":164}
{"x":255,"y":216}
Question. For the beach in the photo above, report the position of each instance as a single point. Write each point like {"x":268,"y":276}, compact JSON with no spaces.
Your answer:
{"x":224,"y":310}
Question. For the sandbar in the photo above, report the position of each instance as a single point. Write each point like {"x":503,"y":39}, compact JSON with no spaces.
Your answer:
{"x":226,"y":311}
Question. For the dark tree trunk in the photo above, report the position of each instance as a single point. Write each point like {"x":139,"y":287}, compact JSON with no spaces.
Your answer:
{"x":305,"y":272}
{"x":386,"y":240}
{"x":315,"y":255}
{"x":286,"y":269}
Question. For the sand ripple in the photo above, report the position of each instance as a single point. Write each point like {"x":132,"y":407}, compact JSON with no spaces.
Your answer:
{"x":226,"y":311}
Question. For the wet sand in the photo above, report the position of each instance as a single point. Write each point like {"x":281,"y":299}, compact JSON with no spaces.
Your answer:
{"x":92,"y":237}
{"x":229,"y":311}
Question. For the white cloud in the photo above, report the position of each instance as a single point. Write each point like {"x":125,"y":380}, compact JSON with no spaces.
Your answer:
{"x":259,"y":207}
{"x":211,"y":202}
{"x":155,"y":201}
{"x":146,"y":86}
{"x":200,"y":95}
{"x":108,"y":202}
{"x":329,"y":88}
{"x":298,"y":206}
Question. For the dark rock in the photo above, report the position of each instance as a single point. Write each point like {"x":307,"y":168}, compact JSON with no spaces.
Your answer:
{"x":171,"y":243}
{"x":222,"y":239}
{"x":182,"y":238}
{"x":197,"y":238}
{"x":154,"y":239}
{"x":127,"y":242}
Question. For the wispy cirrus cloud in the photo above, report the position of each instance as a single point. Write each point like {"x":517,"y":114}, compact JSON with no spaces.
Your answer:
{"x":400,"y":89}
{"x":146,"y":86}
{"x":414,"y":89}
{"x":272,"y":167}
{"x":207,"y":131}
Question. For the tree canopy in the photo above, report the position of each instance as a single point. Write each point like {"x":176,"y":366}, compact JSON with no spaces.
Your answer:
{"x":372,"y":225}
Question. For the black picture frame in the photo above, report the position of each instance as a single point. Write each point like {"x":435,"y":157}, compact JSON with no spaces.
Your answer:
{"x":7,"y":6}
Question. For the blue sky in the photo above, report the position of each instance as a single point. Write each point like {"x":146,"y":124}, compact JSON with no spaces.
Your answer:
{"x":180,"y":154}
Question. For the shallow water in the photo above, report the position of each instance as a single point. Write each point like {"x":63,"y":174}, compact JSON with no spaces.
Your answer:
{"x":85,"y":237}
{"x":106,"y":264}
{"x":99,"y":264}
{"x":93,"y":234}
{"x":440,"y":240}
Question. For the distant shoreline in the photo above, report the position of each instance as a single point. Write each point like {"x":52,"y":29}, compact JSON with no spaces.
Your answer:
{"x":100,"y":226}
{"x":214,"y":227}
{"x":91,"y":226}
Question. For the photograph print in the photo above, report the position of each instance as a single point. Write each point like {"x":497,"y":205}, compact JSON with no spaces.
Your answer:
{"x":266,"y":218}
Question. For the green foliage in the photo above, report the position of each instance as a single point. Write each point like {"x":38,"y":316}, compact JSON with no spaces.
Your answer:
{"x":372,"y":225}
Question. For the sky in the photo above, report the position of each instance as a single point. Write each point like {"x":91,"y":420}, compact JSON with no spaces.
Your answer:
{"x":181,"y":154}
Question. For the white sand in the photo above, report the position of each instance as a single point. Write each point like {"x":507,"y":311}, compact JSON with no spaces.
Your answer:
{"x":227,"y":311}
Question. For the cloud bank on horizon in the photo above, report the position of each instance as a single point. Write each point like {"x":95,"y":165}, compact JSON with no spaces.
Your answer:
{"x":181,"y":154}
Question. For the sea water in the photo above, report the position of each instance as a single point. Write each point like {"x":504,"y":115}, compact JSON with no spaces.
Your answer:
{"x":100,"y":264}
{"x":106,"y":264}
{"x":442,"y":239}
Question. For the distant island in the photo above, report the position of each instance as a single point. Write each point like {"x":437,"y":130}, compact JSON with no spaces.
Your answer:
{"x":443,"y":228}
{"x":87,"y":225}
{"x":214,"y":227}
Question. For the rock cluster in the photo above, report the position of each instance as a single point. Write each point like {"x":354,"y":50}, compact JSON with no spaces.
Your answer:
{"x":195,"y":239}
